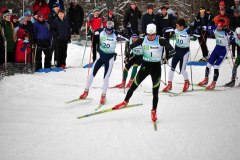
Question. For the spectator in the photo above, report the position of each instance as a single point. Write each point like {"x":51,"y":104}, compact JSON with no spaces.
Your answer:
{"x":236,"y":5}
{"x":76,"y":17}
{"x":9,"y":35}
{"x":41,"y":6}
{"x":148,"y":18}
{"x":131,"y":18}
{"x":51,"y":18}
{"x":95,"y":23}
{"x":61,"y":29}
{"x":2,"y":39}
{"x":111,"y":17}
{"x":169,"y":10}
{"x":235,"y":23}
{"x":42,"y":35}
{"x":14,"y":20}
{"x":29,"y":27}
{"x":34,"y":17}
{"x":200,"y":24}
{"x":228,"y":10}
{"x":22,"y":46}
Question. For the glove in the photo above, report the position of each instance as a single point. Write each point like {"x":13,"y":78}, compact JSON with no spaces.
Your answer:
{"x":96,"y":33}
{"x":126,"y":60}
{"x":230,"y":32}
{"x":115,"y":56}
{"x":165,"y":61}
{"x":25,"y":41}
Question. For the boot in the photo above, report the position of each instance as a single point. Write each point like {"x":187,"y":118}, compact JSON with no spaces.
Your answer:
{"x":84,"y":95}
{"x":186,"y":85}
{"x":154,"y":115}
{"x":204,"y":82}
{"x":168,"y":87}
{"x":121,"y":105}
{"x":121,"y":85}
{"x":211,"y":86}
{"x":103,"y":99}
{"x":129,"y":83}
{"x":230,"y":84}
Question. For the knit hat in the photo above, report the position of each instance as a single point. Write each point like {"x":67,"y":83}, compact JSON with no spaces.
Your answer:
{"x":20,"y":33}
{"x":56,"y":5}
{"x":27,"y":13}
{"x":6,"y":13}
{"x":96,"y":9}
{"x":221,"y":3}
{"x":22,"y":19}
{"x":13,"y":17}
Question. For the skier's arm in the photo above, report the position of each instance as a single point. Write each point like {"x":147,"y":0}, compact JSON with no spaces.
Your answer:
{"x":137,"y":43}
{"x":168,"y":46}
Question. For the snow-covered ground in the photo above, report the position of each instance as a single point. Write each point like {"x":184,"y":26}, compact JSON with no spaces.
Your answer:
{"x":36,"y":124}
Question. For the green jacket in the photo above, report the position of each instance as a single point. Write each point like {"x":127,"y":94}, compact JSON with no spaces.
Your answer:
{"x":8,"y":33}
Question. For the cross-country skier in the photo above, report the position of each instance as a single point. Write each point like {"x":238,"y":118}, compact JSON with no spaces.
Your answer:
{"x":152,"y":56}
{"x":107,"y":46}
{"x":133,"y":57}
{"x":182,"y":54}
{"x":218,"y":55}
{"x":236,"y":39}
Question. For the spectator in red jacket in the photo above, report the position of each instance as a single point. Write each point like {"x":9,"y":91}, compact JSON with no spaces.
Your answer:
{"x":22,"y":46}
{"x":41,"y":6}
{"x":95,"y":23}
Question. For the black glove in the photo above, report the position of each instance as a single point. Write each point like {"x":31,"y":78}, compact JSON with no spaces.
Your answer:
{"x":165,"y":61}
{"x":126,"y":60}
{"x":115,"y":56}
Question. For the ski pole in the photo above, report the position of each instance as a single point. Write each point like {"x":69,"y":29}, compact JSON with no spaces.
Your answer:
{"x":122,"y":62}
{"x":203,"y":39}
{"x":85,"y":46}
{"x":173,"y":69}
{"x":191,"y":71}
{"x":90,"y":57}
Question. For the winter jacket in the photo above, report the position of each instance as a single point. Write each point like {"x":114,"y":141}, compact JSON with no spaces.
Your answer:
{"x":52,"y":17}
{"x":41,"y":31}
{"x":22,"y":46}
{"x":61,"y":29}
{"x":201,"y":21}
{"x":96,"y":23}
{"x":147,"y":19}
{"x":8,"y":33}
{"x":76,"y":14}
{"x":234,"y":23}
{"x":44,"y":8}
{"x":132,"y":16}
{"x":164,"y":22}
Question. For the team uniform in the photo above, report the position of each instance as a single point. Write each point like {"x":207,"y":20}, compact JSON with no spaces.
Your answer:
{"x":151,"y":65}
{"x":107,"y":46}
{"x":135,"y":60}
{"x":216,"y":58}
{"x":236,"y":41}
{"x":182,"y":54}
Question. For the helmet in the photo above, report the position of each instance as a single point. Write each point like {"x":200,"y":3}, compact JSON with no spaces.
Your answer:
{"x":237,"y":30}
{"x":110,"y":25}
{"x":151,"y":28}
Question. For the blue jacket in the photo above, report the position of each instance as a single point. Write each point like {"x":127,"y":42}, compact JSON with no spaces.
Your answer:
{"x":41,"y":31}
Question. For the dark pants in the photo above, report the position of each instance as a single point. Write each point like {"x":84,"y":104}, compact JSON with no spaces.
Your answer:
{"x":75,"y":26}
{"x":234,"y":45}
{"x":147,"y":68}
{"x":10,"y":56}
{"x":2,"y":54}
{"x":61,"y":52}
{"x":43,"y":46}
{"x":203,"y":43}
{"x":134,"y":60}
{"x":95,"y":43}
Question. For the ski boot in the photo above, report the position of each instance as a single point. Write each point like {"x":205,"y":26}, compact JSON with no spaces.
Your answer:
{"x":84,"y":95}
{"x":204,"y":82}
{"x":186,"y":85}
{"x":168,"y":87}
{"x":129,"y":83}
{"x":230,"y":84}
{"x":121,"y":85}
{"x":121,"y":105}
{"x":211,"y":86}
{"x":154,"y":115}
{"x":103,"y":99}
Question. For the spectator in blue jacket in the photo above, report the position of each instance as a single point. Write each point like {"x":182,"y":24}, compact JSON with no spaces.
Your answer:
{"x":42,"y":36}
